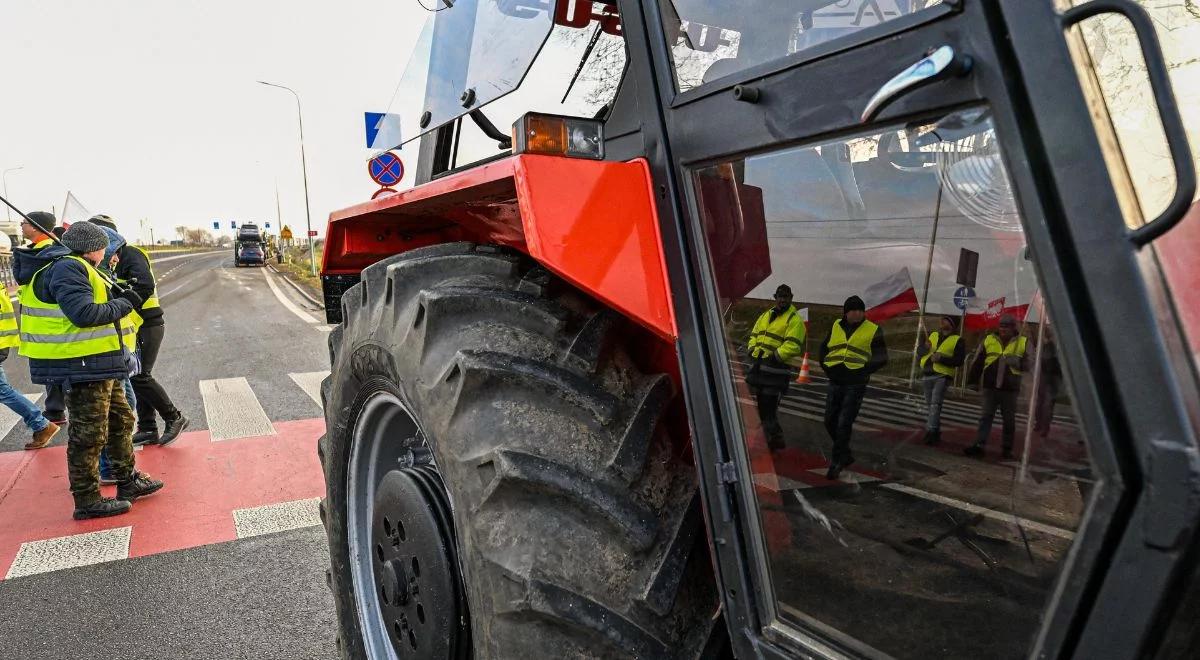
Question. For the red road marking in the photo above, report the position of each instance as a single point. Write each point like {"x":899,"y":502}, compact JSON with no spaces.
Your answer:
{"x":205,"y":482}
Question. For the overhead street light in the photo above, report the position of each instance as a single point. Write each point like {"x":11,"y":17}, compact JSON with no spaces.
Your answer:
{"x":312,"y":260}
{"x":4,"y":180}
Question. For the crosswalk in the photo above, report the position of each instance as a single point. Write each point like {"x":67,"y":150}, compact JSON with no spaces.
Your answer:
{"x":231,"y":408}
{"x":246,"y":475}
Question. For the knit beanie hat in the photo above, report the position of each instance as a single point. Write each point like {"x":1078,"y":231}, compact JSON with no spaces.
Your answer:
{"x":103,"y":221}
{"x":854,"y":303}
{"x":46,"y":220}
{"x":84,"y":237}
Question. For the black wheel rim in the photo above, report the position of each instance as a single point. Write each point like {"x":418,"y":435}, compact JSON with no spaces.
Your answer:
{"x":403,"y":552}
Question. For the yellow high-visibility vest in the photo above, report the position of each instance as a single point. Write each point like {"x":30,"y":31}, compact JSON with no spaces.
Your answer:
{"x":9,"y":334}
{"x":783,"y":336}
{"x":152,"y":301}
{"x":991,"y":344}
{"x":853,"y":353}
{"x":47,"y":333}
{"x":946,"y":348}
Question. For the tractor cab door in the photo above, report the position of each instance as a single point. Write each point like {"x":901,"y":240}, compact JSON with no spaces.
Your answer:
{"x":932,"y":396}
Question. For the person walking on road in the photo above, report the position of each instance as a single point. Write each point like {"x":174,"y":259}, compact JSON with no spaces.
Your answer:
{"x":56,"y":405}
{"x":74,"y":334}
{"x":133,"y":268}
{"x":776,"y":341}
{"x":43,"y":429}
{"x":1001,"y":359}
{"x":942,"y":353}
{"x":852,"y":351}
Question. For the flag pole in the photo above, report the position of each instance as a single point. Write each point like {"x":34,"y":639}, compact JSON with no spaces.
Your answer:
{"x":937,"y":211}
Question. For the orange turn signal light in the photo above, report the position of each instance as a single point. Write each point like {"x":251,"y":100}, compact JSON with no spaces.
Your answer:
{"x":559,"y":136}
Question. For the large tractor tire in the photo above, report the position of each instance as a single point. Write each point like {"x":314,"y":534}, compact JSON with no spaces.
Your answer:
{"x":498,"y":482}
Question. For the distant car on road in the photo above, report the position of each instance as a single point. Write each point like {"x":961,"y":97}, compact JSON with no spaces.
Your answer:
{"x":250,"y":254}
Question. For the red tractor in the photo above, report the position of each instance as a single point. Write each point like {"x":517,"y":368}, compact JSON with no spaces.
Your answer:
{"x":705,"y":357}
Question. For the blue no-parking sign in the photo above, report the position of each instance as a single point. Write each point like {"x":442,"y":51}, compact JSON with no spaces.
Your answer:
{"x":386,"y":169}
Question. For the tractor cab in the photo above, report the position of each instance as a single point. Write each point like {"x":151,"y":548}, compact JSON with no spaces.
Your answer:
{"x":774,"y":329}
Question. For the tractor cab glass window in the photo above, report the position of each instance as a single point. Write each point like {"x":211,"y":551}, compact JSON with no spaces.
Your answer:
{"x":918,"y":467}
{"x":576,"y":74}
{"x":710,"y":40}
{"x":469,"y":53}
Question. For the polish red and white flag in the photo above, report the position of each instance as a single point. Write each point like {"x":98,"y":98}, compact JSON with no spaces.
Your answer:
{"x":892,"y":297}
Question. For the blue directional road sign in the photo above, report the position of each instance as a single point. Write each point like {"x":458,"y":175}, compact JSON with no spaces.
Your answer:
{"x":386,"y":169}
{"x":216,"y":224}
{"x":268,"y":225}
{"x":233,"y":224}
{"x":963,"y":296}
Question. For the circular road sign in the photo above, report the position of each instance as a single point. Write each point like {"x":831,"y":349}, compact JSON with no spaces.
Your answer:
{"x":386,"y":169}
{"x":963,"y":296}
{"x":383,"y":192}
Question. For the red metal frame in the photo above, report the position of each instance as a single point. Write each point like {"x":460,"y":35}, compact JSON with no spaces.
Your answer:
{"x":593,"y":223}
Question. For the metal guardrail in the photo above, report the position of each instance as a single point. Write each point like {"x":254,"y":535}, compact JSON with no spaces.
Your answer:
{"x":6,"y":272}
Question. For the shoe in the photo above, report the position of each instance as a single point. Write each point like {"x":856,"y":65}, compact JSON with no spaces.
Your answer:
{"x":973,"y":450}
{"x":101,"y":509}
{"x":1006,"y":454}
{"x":173,"y":429}
{"x":933,"y":437}
{"x":43,"y":437}
{"x":776,"y":444}
{"x":145,"y":437}
{"x":836,"y":467}
{"x":107,"y":478}
{"x":140,"y":485}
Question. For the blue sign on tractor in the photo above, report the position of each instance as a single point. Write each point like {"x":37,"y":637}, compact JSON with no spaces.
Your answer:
{"x":963,"y":296}
{"x":216,"y":224}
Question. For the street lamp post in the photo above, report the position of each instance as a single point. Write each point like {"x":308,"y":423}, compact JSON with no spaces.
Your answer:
{"x":4,"y":180}
{"x":312,"y":260}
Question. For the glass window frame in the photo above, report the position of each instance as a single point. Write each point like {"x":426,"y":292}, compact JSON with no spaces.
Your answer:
{"x":725,"y":504}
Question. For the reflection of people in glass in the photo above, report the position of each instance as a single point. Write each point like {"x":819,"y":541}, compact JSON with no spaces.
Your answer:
{"x":1050,"y":382}
{"x":852,"y":352}
{"x":776,"y":342}
{"x":942,"y":353}
{"x":1003,"y":361}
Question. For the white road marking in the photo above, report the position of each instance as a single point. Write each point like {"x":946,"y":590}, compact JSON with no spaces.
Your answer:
{"x":279,"y":517}
{"x":9,"y":419}
{"x":975,"y":508}
{"x":310,"y":382}
{"x":184,"y":256}
{"x":232,"y":410}
{"x":70,"y":552}
{"x":326,"y":328}
{"x":291,"y":306}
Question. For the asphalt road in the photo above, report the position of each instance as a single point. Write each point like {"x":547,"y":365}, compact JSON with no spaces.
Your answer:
{"x":262,"y":596}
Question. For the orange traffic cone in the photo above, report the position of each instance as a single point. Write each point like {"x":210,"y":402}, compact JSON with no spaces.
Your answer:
{"x":803,"y":377}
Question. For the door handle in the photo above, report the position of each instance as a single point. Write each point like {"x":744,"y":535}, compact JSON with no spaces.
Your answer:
{"x":937,"y":64}
{"x":1168,"y":111}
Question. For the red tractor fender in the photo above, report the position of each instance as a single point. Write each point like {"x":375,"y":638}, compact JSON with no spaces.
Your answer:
{"x":593,"y":223}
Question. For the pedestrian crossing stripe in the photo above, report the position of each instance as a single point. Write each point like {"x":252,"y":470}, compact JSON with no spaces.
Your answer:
{"x":232,"y":410}
{"x":310,"y":382}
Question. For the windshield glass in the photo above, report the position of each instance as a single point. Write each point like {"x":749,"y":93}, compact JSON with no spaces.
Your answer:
{"x":477,"y":48}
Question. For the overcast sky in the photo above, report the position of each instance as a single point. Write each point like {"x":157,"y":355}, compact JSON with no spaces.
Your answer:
{"x":149,"y":108}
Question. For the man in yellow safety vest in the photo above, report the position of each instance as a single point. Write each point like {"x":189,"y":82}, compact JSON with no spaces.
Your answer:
{"x":56,"y":404}
{"x":1000,"y":360}
{"x":75,"y":335}
{"x":853,"y":350}
{"x":776,"y":344}
{"x":942,"y":353}
{"x":43,"y":429}
{"x":133,"y":267}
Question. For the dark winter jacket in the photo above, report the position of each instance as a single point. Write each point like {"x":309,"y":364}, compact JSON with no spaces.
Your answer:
{"x":66,"y":284}
{"x":839,"y":374}
{"x":133,"y":265}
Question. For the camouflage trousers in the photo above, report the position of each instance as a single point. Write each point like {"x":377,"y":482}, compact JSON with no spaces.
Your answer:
{"x":100,"y":417}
